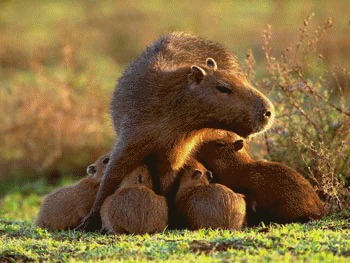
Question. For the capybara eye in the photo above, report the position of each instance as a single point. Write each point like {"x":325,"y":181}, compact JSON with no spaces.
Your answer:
{"x":220,"y":144}
{"x":105,"y":160}
{"x":141,"y":179}
{"x":224,"y":89}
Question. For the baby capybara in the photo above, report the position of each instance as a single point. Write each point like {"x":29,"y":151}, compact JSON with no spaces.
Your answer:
{"x":205,"y":205}
{"x":177,"y":87}
{"x":274,"y":192}
{"x":135,"y":208}
{"x":67,"y":206}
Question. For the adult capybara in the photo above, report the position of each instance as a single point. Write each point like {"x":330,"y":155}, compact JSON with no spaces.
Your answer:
{"x":205,"y":205}
{"x":164,"y":101}
{"x":134,"y":208}
{"x":67,"y":206}
{"x":274,"y":192}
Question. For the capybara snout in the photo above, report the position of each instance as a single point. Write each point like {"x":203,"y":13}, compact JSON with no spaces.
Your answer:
{"x":263,"y":114}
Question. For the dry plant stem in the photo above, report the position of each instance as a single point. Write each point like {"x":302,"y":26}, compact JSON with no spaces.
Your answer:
{"x":302,"y":112}
{"x":268,"y":147}
{"x":318,"y":120}
{"x":320,"y":155}
{"x":313,"y":92}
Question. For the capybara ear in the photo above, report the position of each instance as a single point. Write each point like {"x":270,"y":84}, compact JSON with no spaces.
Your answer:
{"x":91,"y":170}
{"x":197,"y":74}
{"x":197,"y":174}
{"x":211,"y":63}
{"x":238,"y":145}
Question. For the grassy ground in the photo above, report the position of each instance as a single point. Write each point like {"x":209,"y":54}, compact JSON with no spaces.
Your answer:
{"x":327,"y":240}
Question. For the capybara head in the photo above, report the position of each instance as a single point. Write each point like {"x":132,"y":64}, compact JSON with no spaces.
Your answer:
{"x":194,"y":174}
{"x":97,"y":169}
{"x":229,"y":149}
{"x":229,"y":101}
{"x":139,"y":177}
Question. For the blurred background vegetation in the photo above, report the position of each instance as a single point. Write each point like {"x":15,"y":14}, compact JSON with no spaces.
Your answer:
{"x":60,"y":61}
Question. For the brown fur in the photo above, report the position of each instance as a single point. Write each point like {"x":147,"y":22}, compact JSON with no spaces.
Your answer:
{"x":276,"y":192}
{"x":134,"y":208}
{"x":67,"y":206}
{"x":153,"y":112}
{"x":205,"y":205}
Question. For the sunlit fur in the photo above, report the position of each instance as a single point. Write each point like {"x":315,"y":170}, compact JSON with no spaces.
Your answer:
{"x":205,"y":205}
{"x":66,"y":207}
{"x":161,"y":102}
{"x":274,"y":192}
{"x":134,"y":208}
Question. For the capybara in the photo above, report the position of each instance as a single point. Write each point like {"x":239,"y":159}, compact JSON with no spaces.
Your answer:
{"x":165,"y":100}
{"x":274,"y":192}
{"x":205,"y":205}
{"x":67,"y":206}
{"x":135,"y":208}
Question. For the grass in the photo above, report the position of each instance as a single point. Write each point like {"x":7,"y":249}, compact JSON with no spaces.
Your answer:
{"x":327,"y":240}
{"x":324,"y":241}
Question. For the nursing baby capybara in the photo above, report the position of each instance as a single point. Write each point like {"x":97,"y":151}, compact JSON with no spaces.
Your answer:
{"x":164,"y":101}
{"x":67,"y":206}
{"x":134,"y":208}
{"x":274,"y":192}
{"x":205,"y":205}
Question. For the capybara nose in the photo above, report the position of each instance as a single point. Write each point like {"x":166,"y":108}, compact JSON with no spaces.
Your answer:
{"x":267,"y":114}
{"x":91,"y":170}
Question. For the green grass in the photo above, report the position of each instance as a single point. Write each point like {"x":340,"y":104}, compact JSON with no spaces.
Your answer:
{"x":327,"y":240}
